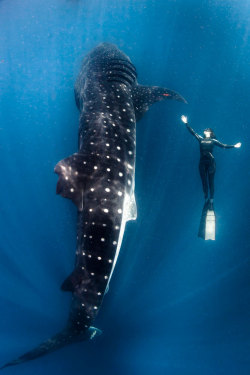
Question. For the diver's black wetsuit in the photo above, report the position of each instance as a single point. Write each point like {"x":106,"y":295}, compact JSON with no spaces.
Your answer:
{"x":207,"y":164}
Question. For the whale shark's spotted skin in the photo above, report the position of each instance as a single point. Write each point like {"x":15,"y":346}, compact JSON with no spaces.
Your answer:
{"x":105,"y":163}
{"x":100,"y":180}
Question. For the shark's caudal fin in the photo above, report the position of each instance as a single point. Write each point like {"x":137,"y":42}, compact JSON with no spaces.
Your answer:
{"x":144,"y":96}
{"x":72,"y":175}
{"x":58,"y":341}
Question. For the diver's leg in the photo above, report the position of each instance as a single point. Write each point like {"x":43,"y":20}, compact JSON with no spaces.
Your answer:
{"x":203,"y":174}
{"x":211,"y":173}
{"x":211,"y":184}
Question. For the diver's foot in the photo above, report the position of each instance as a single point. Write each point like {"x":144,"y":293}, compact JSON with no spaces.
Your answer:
{"x":207,"y":203}
{"x":211,"y":203}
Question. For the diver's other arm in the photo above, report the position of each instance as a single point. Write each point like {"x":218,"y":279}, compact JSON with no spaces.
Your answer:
{"x":237,"y":145}
{"x":185,"y":120}
{"x":218,"y":143}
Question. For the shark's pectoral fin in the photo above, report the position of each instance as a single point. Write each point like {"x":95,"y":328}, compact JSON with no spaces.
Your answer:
{"x":144,"y":96}
{"x":72,"y":175}
{"x":131,"y":208}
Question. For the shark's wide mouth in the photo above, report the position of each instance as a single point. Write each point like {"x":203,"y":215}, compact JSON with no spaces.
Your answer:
{"x":122,"y":71}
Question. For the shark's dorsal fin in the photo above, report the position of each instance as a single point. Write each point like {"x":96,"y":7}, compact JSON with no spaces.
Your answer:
{"x":72,"y":176}
{"x":144,"y":96}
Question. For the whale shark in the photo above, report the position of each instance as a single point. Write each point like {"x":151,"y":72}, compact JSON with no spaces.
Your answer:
{"x":100,"y":180}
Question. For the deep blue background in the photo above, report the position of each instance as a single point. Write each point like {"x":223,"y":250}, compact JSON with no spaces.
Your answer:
{"x":177,"y":305}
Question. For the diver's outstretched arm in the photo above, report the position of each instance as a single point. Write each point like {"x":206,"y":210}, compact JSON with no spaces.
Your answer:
{"x":191,"y":130}
{"x":222,"y":145}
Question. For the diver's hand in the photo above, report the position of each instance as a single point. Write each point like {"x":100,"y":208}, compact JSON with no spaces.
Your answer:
{"x":184,"y":119}
{"x":237,"y":145}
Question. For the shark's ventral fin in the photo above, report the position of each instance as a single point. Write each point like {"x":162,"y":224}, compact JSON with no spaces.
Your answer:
{"x":72,"y":281}
{"x":72,"y":176}
{"x":144,"y":96}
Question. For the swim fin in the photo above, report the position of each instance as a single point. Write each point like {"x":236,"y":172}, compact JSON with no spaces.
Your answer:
{"x":207,"y":222}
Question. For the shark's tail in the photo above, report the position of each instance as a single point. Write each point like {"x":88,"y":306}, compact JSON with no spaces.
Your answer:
{"x":58,"y":341}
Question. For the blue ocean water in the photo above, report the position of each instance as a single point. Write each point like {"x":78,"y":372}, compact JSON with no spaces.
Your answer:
{"x":177,"y":305}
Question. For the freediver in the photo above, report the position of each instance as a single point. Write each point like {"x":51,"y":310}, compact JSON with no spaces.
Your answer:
{"x":207,"y":164}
